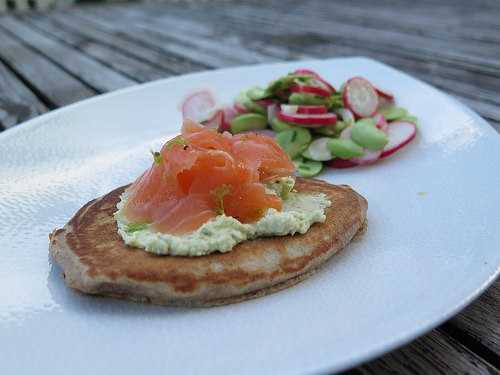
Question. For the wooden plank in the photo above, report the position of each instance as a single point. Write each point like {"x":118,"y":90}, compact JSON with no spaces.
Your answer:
{"x":103,"y":34}
{"x":132,"y":68}
{"x":481,"y":320}
{"x":151,"y":40}
{"x":17,"y":102}
{"x":195,"y":35}
{"x":95,"y":74}
{"x":276,"y":27}
{"x":434,"y":353}
{"x":49,"y":81}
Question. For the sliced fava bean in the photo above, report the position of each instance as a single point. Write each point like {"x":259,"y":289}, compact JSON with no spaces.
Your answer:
{"x":258,"y":93}
{"x":392,"y":113}
{"x":247,"y":121}
{"x":329,"y":131}
{"x":344,"y":148}
{"x":366,"y":134}
{"x":278,"y":125}
{"x":318,"y":150}
{"x":307,"y":168}
{"x":409,"y":118}
{"x":250,"y":105}
{"x":306,"y":99}
{"x":294,"y":141}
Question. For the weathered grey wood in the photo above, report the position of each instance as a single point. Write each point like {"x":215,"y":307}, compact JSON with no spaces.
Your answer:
{"x":17,"y":102}
{"x":165,"y":44}
{"x":481,"y":320}
{"x":132,"y":68}
{"x":258,"y":20}
{"x":95,"y":74}
{"x":52,"y":83}
{"x":101,"y":33}
{"x":154,"y":41}
{"x":196,"y":36}
{"x":434,"y":353}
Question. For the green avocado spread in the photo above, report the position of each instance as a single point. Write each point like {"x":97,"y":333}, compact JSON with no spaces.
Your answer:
{"x":222,"y":233}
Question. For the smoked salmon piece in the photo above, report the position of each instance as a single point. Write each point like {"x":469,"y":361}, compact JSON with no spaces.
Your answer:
{"x":201,"y":174}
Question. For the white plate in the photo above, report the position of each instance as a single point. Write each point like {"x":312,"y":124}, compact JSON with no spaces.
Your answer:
{"x":424,"y":257}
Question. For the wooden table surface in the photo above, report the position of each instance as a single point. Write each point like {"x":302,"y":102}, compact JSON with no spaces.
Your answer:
{"x":51,"y":59}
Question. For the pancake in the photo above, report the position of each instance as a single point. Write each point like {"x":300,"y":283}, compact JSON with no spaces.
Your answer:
{"x":95,"y":260}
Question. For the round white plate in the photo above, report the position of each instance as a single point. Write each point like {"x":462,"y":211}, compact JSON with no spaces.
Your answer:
{"x":431,"y":246}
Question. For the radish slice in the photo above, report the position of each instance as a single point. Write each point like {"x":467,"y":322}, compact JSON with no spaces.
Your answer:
{"x":264,"y":102}
{"x":310,"y":90}
{"x":400,"y":133}
{"x":380,"y":122}
{"x":229,"y":114}
{"x":198,"y":106}
{"x":240,"y":108}
{"x":341,"y":163}
{"x":369,"y":156}
{"x":346,"y":133}
{"x":318,"y":150}
{"x":303,"y":109}
{"x":216,"y":121}
{"x":383,"y":93}
{"x":307,"y":119}
{"x":360,"y":97}
{"x":346,"y":115}
{"x":308,"y":72}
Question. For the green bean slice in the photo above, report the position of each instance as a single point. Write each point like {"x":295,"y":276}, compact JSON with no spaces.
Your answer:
{"x":307,"y":168}
{"x":366,"y":134}
{"x":247,"y":121}
{"x":294,"y":141}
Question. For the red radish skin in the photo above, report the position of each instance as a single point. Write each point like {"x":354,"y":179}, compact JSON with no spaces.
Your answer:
{"x":400,"y":134}
{"x":304,"y":109}
{"x":369,"y":157}
{"x":308,"y":119}
{"x":309,"y":90}
{"x":381,"y":122}
{"x":229,"y":114}
{"x":317,"y":76}
{"x":383,"y":93}
{"x":216,"y":121}
{"x":341,"y":163}
{"x":265,"y":102}
{"x":198,"y":105}
{"x":360,"y":97}
{"x":240,"y":108}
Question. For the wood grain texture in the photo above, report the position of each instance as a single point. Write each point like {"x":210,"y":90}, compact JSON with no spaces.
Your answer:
{"x":93,"y":73}
{"x":48,"y":80}
{"x":128,"y":66}
{"x":481,"y":320}
{"x":434,"y":353}
{"x":17,"y":102}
